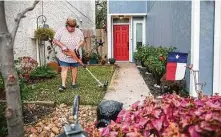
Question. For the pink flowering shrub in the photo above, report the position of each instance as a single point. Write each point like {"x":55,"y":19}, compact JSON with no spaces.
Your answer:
{"x":171,"y":116}
{"x":26,"y":64}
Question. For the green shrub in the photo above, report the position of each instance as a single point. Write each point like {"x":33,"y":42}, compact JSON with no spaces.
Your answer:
{"x":154,"y":58}
{"x":43,"y":72}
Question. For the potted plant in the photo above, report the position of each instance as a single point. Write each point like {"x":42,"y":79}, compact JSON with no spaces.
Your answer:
{"x":26,"y":65}
{"x":112,"y":60}
{"x":52,"y":59}
{"x":94,"y":57}
{"x":44,"y":34}
{"x":85,"y":56}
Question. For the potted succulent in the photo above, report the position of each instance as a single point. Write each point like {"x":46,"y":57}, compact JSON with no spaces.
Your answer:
{"x":44,"y":34}
{"x":112,"y":60}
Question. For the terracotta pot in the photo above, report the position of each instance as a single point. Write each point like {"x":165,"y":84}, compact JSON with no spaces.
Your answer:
{"x":26,"y":76}
{"x":55,"y":66}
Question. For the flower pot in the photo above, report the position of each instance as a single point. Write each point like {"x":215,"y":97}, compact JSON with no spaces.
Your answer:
{"x":112,"y":61}
{"x":54,"y":65}
{"x":26,"y":76}
{"x":93,"y":61}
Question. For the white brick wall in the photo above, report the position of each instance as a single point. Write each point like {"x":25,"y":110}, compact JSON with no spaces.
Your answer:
{"x":56,"y":13}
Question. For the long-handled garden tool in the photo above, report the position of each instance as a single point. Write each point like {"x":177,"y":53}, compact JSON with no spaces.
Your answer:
{"x":75,"y":129}
{"x":75,"y":55}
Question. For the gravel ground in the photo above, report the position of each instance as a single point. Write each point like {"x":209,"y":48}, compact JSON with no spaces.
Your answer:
{"x":52,"y":124}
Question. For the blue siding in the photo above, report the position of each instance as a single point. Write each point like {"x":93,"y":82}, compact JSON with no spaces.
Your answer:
{"x":206,"y":44}
{"x":169,"y":24}
{"x":127,"y":6}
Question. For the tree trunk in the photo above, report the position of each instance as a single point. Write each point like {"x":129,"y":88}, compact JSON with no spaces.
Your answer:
{"x":14,"y":108}
{"x":13,"y":111}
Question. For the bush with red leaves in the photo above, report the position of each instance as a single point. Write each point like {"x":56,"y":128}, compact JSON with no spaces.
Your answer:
{"x":171,"y":116}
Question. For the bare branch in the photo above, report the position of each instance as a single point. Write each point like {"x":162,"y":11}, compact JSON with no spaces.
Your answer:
{"x":19,"y":17}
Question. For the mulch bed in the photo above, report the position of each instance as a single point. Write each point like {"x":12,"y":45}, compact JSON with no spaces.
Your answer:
{"x":2,"y":94}
{"x":149,"y":80}
{"x":32,"y":112}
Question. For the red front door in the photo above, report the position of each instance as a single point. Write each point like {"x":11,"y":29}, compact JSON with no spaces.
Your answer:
{"x":121,"y":42}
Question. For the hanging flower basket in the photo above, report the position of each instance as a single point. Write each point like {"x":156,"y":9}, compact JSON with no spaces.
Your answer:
{"x":44,"y":34}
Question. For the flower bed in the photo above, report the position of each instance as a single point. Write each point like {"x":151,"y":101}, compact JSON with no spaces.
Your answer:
{"x":154,"y":59}
{"x":170,"y":116}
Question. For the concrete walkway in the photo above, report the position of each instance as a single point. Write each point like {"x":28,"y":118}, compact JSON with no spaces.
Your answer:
{"x":127,"y":85}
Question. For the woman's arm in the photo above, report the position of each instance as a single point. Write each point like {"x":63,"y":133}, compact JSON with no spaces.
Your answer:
{"x":61,"y":45}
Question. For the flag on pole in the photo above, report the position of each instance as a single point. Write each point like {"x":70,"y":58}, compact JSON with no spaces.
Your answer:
{"x":176,"y":65}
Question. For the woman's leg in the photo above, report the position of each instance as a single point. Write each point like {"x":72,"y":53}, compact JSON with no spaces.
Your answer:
{"x":74,"y":75}
{"x":64,"y":71}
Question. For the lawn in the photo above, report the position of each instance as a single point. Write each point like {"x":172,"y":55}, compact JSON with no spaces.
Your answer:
{"x":88,"y":89}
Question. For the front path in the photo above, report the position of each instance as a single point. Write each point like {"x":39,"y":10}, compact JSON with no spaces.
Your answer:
{"x":127,"y":85}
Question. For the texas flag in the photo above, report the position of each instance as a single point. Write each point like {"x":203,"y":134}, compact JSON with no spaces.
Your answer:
{"x":176,"y":65}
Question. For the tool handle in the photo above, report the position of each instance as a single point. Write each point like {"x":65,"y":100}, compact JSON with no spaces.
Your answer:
{"x":76,"y":107}
{"x":94,"y":77}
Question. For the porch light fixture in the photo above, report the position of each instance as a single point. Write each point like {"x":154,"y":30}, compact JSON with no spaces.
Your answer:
{"x":121,"y":16}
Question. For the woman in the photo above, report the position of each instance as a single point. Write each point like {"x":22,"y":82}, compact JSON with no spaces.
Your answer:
{"x":68,"y":38}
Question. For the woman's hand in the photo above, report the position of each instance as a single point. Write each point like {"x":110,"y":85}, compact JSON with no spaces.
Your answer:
{"x":64,"y":49}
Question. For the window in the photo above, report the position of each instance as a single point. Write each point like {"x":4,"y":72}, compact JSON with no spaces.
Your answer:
{"x":139,"y":34}
{"x":123,"y":20}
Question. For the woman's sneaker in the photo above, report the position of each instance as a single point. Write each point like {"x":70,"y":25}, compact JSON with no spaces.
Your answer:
{"x":74,"y":86}
{"x":61,"y":88}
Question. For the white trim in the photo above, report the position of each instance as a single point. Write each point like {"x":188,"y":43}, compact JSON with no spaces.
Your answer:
{"x":130,"y":39}
{"x":217,"y":49}
{"x":109,"y":36}
{"x":134,"y":32}
{"x":110,"y":29}
{"x":112,"y":37}
{"x":109,"y":24}
{"x":195,"y":41}
{"x":128,"y":14}
{"x":108,"y":7}
{"x":121,"y":23}
{"x":145,"y":29}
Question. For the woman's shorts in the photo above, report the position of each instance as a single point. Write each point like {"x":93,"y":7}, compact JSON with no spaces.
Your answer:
{"x":66,"y":64}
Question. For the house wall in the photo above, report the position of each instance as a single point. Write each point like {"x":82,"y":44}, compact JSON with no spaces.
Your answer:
{"x":127,"y":6}
{"x":169,"y":24}
{"x":207,"y":11}
{"x":56,"y":13}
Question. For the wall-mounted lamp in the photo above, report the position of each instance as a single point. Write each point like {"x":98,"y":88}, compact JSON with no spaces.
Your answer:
{"x":121,"y":16}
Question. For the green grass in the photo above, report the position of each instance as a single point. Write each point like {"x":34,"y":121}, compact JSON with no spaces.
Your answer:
{"x":88,"y":89}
